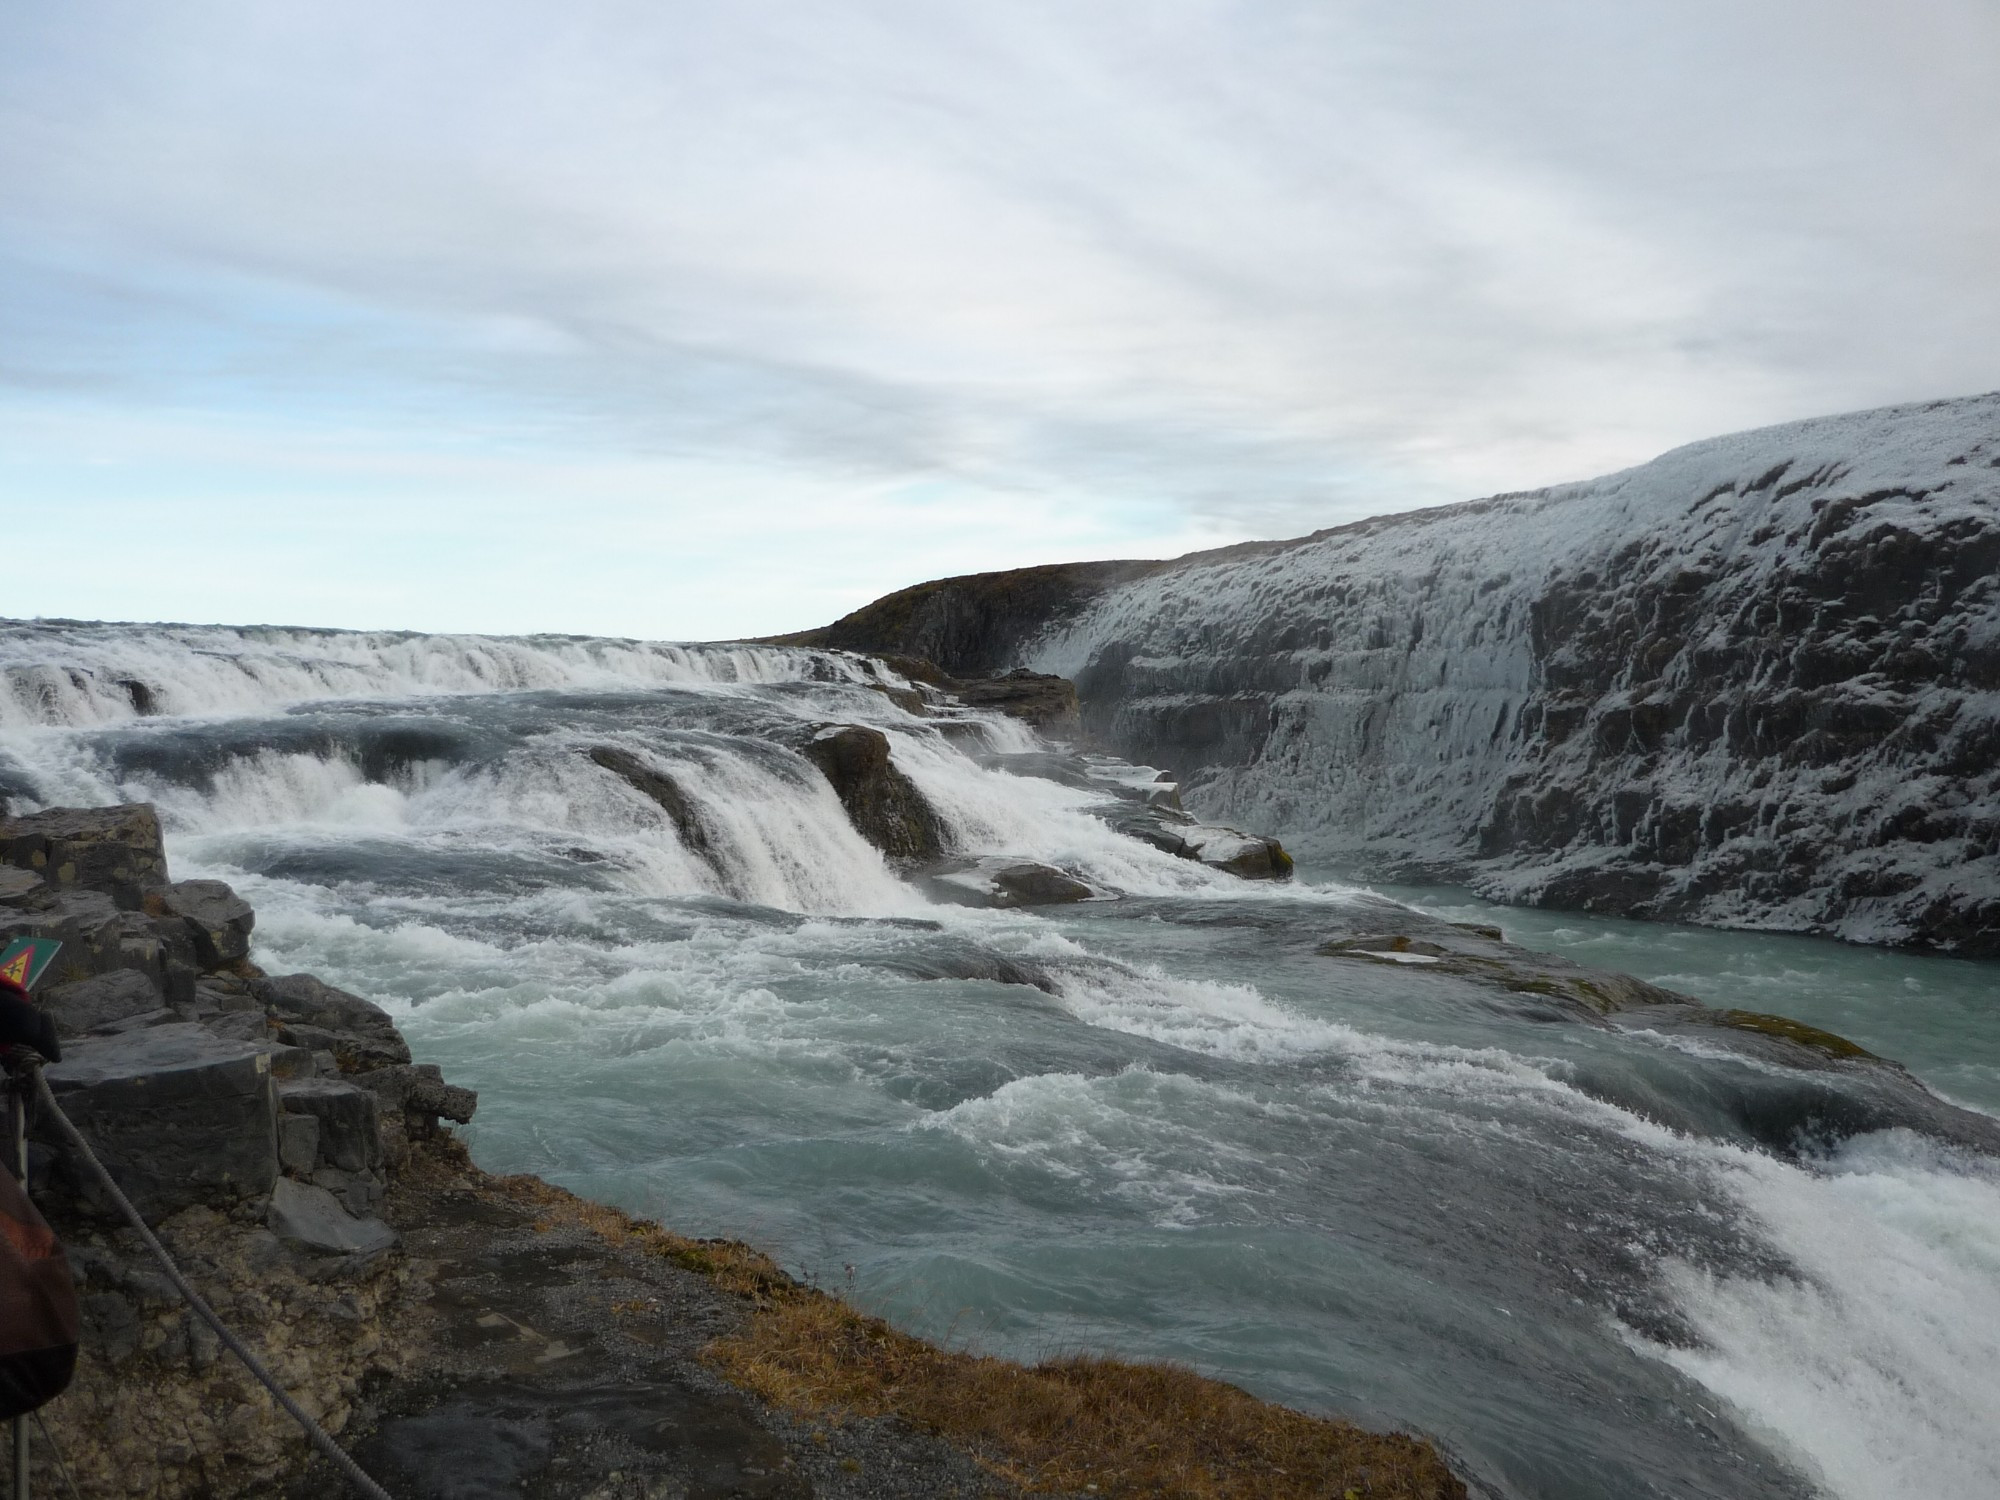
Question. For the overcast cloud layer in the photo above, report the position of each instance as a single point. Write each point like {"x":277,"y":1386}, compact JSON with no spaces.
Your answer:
{"x":697,"y":320}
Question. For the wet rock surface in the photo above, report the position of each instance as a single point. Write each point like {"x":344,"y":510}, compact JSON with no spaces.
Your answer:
{"x":1001,"y":881}
{"x":1798,"y":1090}
{"x":883,"y":804}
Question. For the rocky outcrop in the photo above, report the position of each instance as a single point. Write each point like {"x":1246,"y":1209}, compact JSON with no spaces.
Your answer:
{"x":972,"y":625}
{"x":882,"y":803}
{"x":218,"y":921}
{"x":1754,"y":682}
{"x":178,"y":1116}
{"x":1041,"y":699}
{"x":115,"y":851}
{"x":305,"y":1012}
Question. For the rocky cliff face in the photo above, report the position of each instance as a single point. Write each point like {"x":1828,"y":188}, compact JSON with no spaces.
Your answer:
{"x":1755,"y":682}
{"x":973,"y":625}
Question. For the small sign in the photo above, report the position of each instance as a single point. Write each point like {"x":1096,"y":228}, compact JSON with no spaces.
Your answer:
{"x":26,"y":960}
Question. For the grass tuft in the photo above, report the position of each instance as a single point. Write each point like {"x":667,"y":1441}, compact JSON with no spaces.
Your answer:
{"x":1078,"y":1423}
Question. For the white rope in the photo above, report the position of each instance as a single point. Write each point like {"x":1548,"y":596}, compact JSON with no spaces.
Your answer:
{"x":319,"y":1436}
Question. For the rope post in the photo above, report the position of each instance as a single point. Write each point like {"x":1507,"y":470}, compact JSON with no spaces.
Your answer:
{"x":17,"y":1100}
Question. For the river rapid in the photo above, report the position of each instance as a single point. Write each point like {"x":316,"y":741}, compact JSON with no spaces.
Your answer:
{"x":1350,"y":1187}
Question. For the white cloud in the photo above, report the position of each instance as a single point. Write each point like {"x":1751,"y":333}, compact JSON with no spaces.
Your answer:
{"x":1107,"y":278}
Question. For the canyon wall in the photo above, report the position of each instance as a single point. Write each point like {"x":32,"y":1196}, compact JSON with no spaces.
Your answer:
{"x":1755,"y":682}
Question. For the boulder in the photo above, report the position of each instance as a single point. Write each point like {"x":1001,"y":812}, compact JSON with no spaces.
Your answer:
{"x":98,"y":937}
{"x":317,"y":1016}
{"x":218,"y":920}
{"x":116,"y":850}
{"x":1003,"y":881}
{"x":350,"y":1135}
{"x":1248,"y":856}
{"x":178,"y":1117}
{"x":419,"y":1090}
{"x":882,"y":803}
{"x":85,"y":1005}
{"x":224,"y":994}
{"x":1158,"y":820}
{"x":311,"y":1218}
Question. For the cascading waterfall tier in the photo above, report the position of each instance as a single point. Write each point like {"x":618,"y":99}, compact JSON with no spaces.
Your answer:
{"x":1193,"y":1117}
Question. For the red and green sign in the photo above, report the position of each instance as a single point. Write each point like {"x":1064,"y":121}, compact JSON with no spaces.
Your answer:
{"x":27,"y":959}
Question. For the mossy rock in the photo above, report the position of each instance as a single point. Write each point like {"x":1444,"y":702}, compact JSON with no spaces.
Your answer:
{"x":1786,"y":1029}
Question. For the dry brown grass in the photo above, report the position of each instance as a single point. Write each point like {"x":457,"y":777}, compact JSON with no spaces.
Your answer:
{"x":1071,"y":1424}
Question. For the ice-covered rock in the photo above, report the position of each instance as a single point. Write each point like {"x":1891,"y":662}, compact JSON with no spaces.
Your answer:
{"x":1754,"y":682}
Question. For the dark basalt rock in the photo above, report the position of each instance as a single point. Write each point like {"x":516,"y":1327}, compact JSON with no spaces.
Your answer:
{"x":310,"y":1014}
{"x":882,"y":803}
{"x":349,"y":1135}
{"x":217,"y":919}
{"x":310,"y":1218}
{"x":98,"y":937}
{"x":85,"y":1005}
{"x":419,"y":1091}
{"x":177,"y":1115}
{"x":116,"y":851}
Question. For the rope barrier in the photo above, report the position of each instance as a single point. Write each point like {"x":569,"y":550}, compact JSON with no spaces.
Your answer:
{"x":350,"y":1470}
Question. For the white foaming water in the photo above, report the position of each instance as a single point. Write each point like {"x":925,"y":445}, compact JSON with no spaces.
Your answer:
{"x":275,"y":789}
{"x":1872,"y":1369}
{"x":82,"y":675}
{"x":989,"y":812}
{"x":1877,"y":1368}
{"x":776,"y":839}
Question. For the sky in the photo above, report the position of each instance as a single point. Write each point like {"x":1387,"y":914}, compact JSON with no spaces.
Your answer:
{"x":696,"y":321}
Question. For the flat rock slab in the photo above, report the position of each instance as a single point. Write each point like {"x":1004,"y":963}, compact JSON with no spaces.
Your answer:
{"x":561,"y":1366}
{"x":177,"y":1115}
{"x":84,"y":1005}
{"x":311,"y":1218}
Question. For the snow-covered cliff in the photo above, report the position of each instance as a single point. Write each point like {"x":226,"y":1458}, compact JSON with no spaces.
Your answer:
{"x":1754,"y":682}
